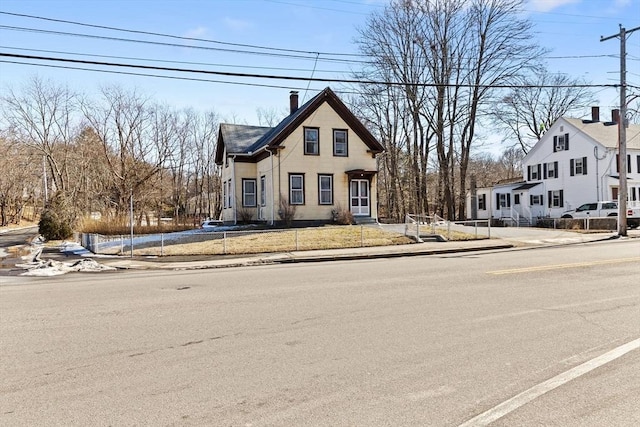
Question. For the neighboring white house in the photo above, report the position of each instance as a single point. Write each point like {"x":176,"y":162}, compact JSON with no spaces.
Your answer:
{"x":575,"y":162}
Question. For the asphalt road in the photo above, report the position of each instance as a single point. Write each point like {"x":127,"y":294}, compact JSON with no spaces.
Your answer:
{"x":16,"y":237}
{"x":526,"y":337}
{"x":12,"y":239}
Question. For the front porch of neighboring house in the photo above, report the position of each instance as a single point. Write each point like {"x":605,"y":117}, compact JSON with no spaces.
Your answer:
{"x":520,"y":204}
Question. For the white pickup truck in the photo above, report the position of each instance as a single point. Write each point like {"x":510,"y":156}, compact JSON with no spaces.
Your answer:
{"x":602,"y":209}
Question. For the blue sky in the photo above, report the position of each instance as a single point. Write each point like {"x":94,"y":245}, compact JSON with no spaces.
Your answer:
{"x":570,"y":28}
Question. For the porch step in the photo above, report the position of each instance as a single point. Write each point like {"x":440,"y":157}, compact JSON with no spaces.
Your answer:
{"x":364,"y":220}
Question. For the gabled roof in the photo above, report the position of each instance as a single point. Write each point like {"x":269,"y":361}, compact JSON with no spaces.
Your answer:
{"x":606,"y":133}
{"x":603,"y":133}
{"x":250,"y":140}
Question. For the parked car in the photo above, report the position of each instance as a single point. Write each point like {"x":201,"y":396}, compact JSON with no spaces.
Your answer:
{"x":210,"y":224}
{"x":602,"y":209}
{"x":593,"y":210}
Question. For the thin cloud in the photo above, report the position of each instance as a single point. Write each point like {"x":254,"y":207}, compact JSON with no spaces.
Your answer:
{"x":549,"y":5}
{"x":236,"y":24}
{"x":196,"y":32}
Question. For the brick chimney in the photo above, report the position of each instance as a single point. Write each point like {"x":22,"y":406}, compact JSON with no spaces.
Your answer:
{"x":293,"y":101}
{"x":595,"y":114}
{"x":615,"y":116}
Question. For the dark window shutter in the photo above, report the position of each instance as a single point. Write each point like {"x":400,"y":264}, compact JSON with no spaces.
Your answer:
{"x":498,"y":201}
{"x":539,"y":172}
{"x":638,"y":162}
{"x":530,"y":200}
{"x":545,"y":171}
{"x":555,"y":167}
{"x":629,"y":163}
{"x":555,"y":143}
{"x":617,"y":162}
{"x":549,"y":196}
{"x":584,"y":166}
{"x":542,"y":199}
{"x":529,"y":173}
{"x":561,"y":198}
{"x":508,"y":200}
{"x":566,"y":141}
{"x":571,"y":167}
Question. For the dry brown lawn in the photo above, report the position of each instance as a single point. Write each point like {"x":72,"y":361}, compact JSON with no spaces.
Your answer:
{"x":283,"y":241}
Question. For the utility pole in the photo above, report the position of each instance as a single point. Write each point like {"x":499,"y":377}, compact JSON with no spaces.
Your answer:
{"x":622,"y":130}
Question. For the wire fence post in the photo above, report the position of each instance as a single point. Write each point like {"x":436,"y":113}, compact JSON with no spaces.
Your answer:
{"x":224,"y":242}
{"x":362,"y":236}
{"x":161,"y":244}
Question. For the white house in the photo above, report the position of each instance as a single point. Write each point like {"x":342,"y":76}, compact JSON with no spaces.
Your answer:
{"x":575,"y":162}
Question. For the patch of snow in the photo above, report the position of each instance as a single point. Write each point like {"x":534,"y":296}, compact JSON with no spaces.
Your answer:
{"x":55,"y":268}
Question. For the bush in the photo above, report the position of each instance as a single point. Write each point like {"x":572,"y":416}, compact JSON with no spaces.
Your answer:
{"x":245,"y":216}
{"x":287,"y":212}
{"x":57,"y":219}
{"x":342,"y":216}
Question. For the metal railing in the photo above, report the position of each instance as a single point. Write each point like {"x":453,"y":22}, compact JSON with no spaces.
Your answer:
{"x":420,"y":227}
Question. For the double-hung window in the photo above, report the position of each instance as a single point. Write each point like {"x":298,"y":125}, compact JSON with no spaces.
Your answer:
{"x":482,"y":202}
{"x":555,"y":199}
{"x":551,"y":170}
{"x":249,"y":192}
{"x":224,"y":195}
{"x":533,"y":172}
{"x":535,"y":199}
{"x":578,"y":166}
{"x":561,"y":142}
{"x":340,"y":143}
{"x":503,"y":200}
{"x":628,"y":163}
{"x":296,"y":189}
{"x":312,"y":141}
{"x":325,"y":189}
{"x":263,"y":190}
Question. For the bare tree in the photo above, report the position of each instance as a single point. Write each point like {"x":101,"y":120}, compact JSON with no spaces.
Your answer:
{"x":40,"y":115}
{"x":19,"y":181}
{"x":270,"y":116}
{"x":390,"y":40}
{"x":451,"y":56}
{"x":134,"y":144}
{"x":206,"y":182}
{"x":541,"y":98}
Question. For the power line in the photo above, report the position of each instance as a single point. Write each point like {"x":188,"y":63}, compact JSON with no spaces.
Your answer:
{"x":282,"y":77}
{"x":172,"y":36}
{"x":169,"y":61}
{"x":156,"y":43}
{"x":128,"y":73}
{"x":298,"y":53}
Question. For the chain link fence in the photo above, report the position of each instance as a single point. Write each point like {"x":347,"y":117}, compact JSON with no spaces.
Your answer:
{"x":235,"y":242}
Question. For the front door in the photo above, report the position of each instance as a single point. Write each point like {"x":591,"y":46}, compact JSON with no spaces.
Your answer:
{"x":360,"y":197}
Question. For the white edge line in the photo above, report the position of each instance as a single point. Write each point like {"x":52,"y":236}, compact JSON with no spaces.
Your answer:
{"x":527,"y":396}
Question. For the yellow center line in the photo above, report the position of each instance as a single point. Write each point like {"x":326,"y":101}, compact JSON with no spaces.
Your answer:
{"x":561,"y":266}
